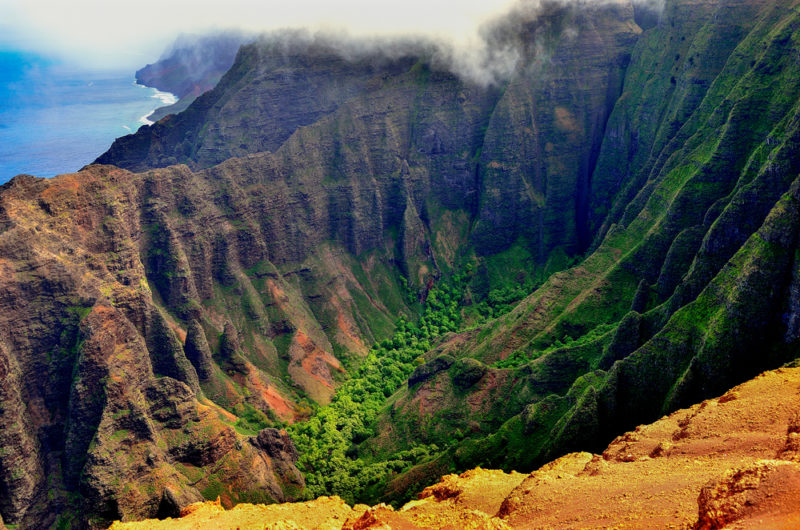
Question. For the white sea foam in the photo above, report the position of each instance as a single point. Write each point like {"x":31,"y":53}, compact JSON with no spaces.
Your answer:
{"x":166,"y":98}
{"x":144,"y":120}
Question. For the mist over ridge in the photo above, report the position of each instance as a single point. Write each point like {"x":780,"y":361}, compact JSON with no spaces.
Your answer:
{"x":521,"y":36}
{"x":471,"y":39}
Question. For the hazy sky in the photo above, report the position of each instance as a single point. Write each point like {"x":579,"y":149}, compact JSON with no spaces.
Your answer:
{"x":128,"y":34}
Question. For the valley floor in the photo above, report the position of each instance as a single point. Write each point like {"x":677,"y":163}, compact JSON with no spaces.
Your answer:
{"x":733,"y":461}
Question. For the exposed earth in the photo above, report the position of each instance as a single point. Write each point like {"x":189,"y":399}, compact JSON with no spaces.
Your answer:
{"x":731,"y":462}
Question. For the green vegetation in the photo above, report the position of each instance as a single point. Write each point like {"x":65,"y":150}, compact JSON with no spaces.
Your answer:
{"x":519,"y":357}
{"x":328,"y":442}
{"x":251,"y":420}
{"x":333,"y":459}
{"x":500,"y":301}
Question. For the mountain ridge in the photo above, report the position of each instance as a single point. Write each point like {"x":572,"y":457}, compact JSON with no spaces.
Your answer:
{"x":620,"y":217}
{"x":191,"y":66}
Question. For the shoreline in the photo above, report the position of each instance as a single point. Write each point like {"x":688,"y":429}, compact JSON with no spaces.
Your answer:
{"x":104,"y":105}
{"x":166,"y":98}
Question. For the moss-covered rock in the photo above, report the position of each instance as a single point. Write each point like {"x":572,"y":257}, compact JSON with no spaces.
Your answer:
{"x":431,"y":368}
{"x":466,"y":372}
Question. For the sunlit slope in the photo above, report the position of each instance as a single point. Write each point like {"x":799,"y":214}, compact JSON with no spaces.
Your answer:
{"x":732,"y":460}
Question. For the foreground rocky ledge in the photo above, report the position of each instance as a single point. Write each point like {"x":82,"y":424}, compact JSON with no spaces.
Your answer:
{"x":732,"y":460}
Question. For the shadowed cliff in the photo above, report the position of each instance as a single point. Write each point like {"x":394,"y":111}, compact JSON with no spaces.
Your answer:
{"x":691,"y":284}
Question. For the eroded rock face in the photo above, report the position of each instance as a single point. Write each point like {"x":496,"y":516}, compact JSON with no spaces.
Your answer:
{"x":21,"y":466}
{"x":762,"y":493}
{"x":276,"y":444}
{"x":140,"y":312}
{"x":103,"y":416}
{"x":197,"y":351}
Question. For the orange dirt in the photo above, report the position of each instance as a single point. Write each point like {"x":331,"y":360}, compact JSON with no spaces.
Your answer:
{"x":727,"y":462}
{"x":325,"y":512}
{"x":346,"y":326}
{"x":481,"y":396}
{"x":179,"y":331}
{"x":316,"y":361}
{"x":427,"y":399}
{"x":66,"y":184}
{"x":270,"y":395}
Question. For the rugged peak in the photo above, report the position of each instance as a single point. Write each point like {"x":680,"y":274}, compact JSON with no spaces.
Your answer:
{"x":276,"y":443}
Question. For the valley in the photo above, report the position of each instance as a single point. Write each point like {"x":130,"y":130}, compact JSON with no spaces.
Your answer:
{"x":348,"y":270}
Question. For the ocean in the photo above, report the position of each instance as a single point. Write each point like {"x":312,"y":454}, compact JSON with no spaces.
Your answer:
{"x":56,"y":120}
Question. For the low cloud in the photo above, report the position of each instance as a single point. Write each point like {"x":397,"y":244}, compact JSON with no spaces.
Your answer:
{"x":126,"y":35}
{"x":520,"y":37}
{"x":484,"y":42}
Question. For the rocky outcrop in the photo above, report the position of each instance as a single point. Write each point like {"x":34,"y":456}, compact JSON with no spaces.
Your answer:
{"x":764,"y":492}
{"x":708,"y":466}
{"x":467,"y":372}
{"x":324,"y":512}
{"x":197,"y":351}
{"x":430,"y":369}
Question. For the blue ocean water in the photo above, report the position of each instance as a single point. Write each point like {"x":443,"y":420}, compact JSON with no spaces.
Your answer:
{"x":56,"y":120}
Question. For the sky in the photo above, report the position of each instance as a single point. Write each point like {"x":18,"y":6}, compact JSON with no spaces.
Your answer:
{"x":125,"y":35}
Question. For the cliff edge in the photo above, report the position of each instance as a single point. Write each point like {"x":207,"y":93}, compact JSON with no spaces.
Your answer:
{"x":732,"y":460}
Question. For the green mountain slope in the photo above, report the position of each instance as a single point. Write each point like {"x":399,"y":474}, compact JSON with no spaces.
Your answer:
{"x":690,"y":288}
